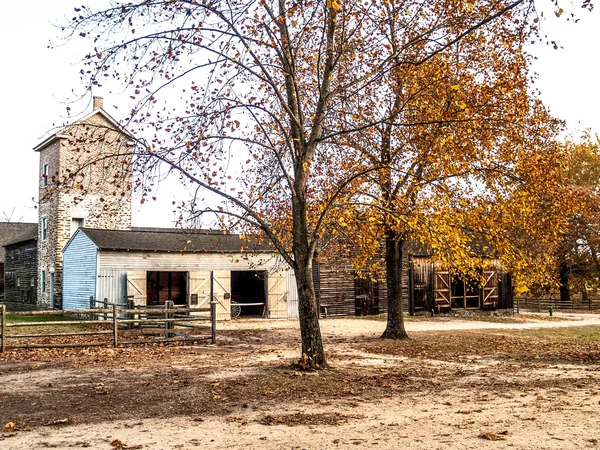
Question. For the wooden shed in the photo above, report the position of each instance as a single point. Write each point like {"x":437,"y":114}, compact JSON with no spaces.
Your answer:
{"x":434,"y":287}
{"x":20,"y":271}
{"x":154,"y":265}
{"x":345,"y":291}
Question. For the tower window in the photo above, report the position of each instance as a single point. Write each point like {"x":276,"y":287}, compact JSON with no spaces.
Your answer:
{"x":43,"y":284}
{"x":76,"y":223}
{"x":44,"y":228}
{"x":45,"y":176}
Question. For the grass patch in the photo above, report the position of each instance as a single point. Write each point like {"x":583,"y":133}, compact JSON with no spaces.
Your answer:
{"x":584,"y":333}
{"x":42,"y":319}
{"x":557,"y":345}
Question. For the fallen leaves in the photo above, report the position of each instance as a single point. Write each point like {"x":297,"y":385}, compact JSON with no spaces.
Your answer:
{"x":65,"y":421}
{"x":119,"y":445}
{"x":309,"y":419}
{"x":490,"y":436}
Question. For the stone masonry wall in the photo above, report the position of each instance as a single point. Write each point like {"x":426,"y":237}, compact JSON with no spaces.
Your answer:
{"x":92,"y":181}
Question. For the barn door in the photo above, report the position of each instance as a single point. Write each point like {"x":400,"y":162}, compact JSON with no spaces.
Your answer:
{"x":490,"y":290}
{"x":277,"y":295}
{"x":441,"y":290}
{"x":136,"y":286}
{"x":222,"y":293}
{"x":199,"y":289}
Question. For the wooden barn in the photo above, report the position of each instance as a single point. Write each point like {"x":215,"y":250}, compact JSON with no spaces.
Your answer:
{"x":18,"y":265}
{"x":426,"y":286}
{"x":151,"y":266}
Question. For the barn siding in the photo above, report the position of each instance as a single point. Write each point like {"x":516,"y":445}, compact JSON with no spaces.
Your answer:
{"x":114,"y":266}
{"x":112,"y":285}
{"x":186,"y":262}
{"x":79,"y":272}
{"x":20,"y":290}
{"x":292,"y":300}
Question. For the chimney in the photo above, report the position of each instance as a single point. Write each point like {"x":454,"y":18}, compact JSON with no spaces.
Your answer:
{"x":97,"y":102}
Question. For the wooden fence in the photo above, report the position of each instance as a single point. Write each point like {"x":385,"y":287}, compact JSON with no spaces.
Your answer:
{"x":545,"y":303}
{"x":120,"y":320}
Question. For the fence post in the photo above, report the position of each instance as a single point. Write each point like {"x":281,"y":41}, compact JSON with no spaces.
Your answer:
{"x":105,"y":306}
{"x":168,"y":315}
{"x":130,"y":316}
{"x":3,"y":330}
{"x":92,"y":306}
{"x":213,"y":312}
{"x":115,"y":328}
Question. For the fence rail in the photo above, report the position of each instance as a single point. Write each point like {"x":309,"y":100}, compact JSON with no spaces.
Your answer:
{"x":545,"y":303}
{"x":120,"y":317}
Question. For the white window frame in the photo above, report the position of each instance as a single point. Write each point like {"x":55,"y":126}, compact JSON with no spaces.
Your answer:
{"x":44,"y":228}
{"x":76,"y":223}
{"x":45,"y":173}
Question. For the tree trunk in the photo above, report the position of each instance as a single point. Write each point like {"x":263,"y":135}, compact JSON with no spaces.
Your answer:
{"x":564,"y":283}
{"x":313,"y":355}
{"x":393,"y":265}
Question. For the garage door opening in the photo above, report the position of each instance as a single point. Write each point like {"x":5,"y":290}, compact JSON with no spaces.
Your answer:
{"x":248,"y":291}
{"x":163,"y":286}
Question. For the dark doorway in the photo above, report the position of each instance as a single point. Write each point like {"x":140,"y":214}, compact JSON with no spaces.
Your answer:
{"x":465,"y":293}
{"x":163,"y":286}
{"x":248,"y":290}
{"x":366,"y":294}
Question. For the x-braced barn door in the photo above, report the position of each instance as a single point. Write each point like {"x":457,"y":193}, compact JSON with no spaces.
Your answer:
{"x":490,"y":290}
{"x":442,"y":290}
{"x":277,"y":293}
{"x":136,"y":286}
{"x":200,"y":289}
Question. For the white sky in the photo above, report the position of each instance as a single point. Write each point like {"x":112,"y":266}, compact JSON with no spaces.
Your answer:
{"x":35,"y":83}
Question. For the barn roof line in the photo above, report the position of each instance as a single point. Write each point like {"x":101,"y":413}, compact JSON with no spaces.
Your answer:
{"x":172,"y":240}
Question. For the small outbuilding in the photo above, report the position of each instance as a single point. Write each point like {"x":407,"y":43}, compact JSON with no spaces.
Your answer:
{"x":152,"y":265}
{"x":18,"y":265}
{"x":426,"y":285}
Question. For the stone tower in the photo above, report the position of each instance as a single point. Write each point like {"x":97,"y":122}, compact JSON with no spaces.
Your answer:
{"x":85,"y":180}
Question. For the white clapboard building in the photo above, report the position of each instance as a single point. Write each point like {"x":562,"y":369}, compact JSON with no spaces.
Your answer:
{"x":151,"y":266}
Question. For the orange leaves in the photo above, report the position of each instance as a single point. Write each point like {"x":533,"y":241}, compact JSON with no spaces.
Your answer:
{"x":334,"y":5}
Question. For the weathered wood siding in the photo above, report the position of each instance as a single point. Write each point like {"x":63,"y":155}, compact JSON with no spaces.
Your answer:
{"x":79,"y":272}
{"x":496,"y":294}
{"x":337,"y":286}
{"x":20,"y":269}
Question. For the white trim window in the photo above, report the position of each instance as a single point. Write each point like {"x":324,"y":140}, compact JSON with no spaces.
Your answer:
{"x":76,"y":223}
{"x":43,"y":283}
{"x":44,"y":228}
{"x":45,"y":173}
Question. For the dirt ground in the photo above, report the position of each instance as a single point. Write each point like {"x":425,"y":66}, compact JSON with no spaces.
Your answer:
{"x":526,"y":382}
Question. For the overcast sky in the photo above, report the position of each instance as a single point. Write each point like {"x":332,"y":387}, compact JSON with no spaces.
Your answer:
{"x":36,"y":82}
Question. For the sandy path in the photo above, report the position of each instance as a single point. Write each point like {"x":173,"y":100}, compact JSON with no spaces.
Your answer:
{"x":361,"y":327}
{"x":545,"y":407}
